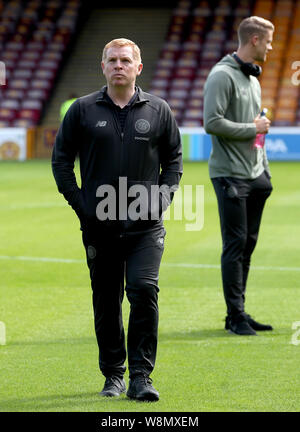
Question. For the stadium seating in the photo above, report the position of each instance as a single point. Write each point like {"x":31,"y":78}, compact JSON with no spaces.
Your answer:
{"x":34,"y":37}
{"x":202,"y":32}
{"x":288,"y":93}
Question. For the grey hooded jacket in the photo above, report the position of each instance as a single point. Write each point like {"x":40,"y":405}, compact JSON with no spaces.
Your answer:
{"x":231,"y":102}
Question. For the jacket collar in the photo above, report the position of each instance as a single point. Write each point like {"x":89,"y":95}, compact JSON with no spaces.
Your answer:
{"x":141,"y":97}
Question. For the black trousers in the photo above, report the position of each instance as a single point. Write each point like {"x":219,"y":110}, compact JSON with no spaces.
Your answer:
{"x":113,"y":260}
{"x":240,"y":211}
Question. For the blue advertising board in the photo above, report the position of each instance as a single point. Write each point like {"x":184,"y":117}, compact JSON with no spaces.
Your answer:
{"x":282,"y":143}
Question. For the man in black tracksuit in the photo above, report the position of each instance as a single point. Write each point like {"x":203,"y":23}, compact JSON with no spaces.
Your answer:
{"x":128,"y":144}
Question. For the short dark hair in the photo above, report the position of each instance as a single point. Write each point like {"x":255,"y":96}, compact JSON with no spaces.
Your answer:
{"x":121,"y":42}
{"x":251,"y":26}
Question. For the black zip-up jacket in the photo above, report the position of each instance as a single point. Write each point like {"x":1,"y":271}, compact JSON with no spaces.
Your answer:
{"x":147,"y":152}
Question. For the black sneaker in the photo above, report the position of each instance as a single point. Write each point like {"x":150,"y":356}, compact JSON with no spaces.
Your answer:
{"x":113,"y":386}
{"x":254,"y":324}
{"x":239,"y":326}
{"x":141,"y":388}
{"x":227,"y":322}
{"x":258,"y":326}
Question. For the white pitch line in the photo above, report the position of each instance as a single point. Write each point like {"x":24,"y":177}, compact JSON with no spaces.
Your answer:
{"x":41,"y":259}
{"x":183,"y":265}
{"x":215,"y":266}
{"x":32,"y":206}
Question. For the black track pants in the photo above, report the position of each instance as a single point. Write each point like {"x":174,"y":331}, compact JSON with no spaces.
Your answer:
{"x":135,"y":258}
{"x":240,"y":219}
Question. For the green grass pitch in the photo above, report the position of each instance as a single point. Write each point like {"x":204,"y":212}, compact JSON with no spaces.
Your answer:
{"x":50,"y":360}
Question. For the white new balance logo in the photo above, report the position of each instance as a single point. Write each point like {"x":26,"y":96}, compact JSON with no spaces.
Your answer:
{"x":101,"y":123}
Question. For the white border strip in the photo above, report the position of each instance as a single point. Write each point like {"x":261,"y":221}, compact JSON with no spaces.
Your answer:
{"x":181,"y":265}
{"x":280,"y":130}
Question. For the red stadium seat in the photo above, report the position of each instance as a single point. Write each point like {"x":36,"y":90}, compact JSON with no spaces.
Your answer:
{"x":30,"y":55}
{"x":159,"y":92}
{"x":162,"y":73}
{"x":51,"y":55}
{"x":13,"y":104}
{"x":195,"y":103}
{"x":161,"y":83}
{"x":9,"y":55}
{"x":15,"y":94}
{"x":179,"y":93}
{"x":35,"y":46}
{"x":38,"y":94}
{"x":23,"y":123}
{"x":48,"y":74}
{"x":27,"y":64}
{"x":21,"y":73}
{"x":19,"y":84}
{"x":7,"y":114}
{"x":15,"y":46}
{"x":34,"y":104}
{"x":180,"y":83}
{"x":42,"y":84}
{"x":57,"y":46}
{"x":33,"y":38}
{"x":29,"y":114}
{"x":177,"y":103}
{"x":49,"y":64}
{"x":185,"y":73}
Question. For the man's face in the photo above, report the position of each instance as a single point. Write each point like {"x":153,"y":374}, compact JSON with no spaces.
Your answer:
{"x":263,"y":46}
{"x":120,"y":67}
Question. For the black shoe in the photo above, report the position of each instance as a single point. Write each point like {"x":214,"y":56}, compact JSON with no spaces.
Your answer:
{"x":113,"y":386}
{"x":258,"y":326}
{"x":141,"y":388}
{"x":239,"y":326}
{"x":254,"y":324}
{"x":227,"y":322}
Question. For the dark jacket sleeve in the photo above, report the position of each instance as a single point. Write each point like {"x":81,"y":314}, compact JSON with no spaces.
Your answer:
{"x":170,"y":157}
{"x":65,"y":149}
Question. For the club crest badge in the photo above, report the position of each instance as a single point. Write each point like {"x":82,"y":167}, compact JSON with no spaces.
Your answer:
{"x":142,"y":126}
{"x":91,"y":251}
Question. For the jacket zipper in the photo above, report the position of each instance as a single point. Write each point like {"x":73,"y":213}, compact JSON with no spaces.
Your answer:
{"x":122,"y":162}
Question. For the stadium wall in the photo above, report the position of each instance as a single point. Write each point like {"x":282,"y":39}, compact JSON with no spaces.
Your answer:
{"x":282,"y":144}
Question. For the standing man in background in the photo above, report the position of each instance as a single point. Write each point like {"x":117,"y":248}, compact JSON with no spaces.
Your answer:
{"x":125,"y":139}
{"x":238,"y":169}
{"x":66,"y":105}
